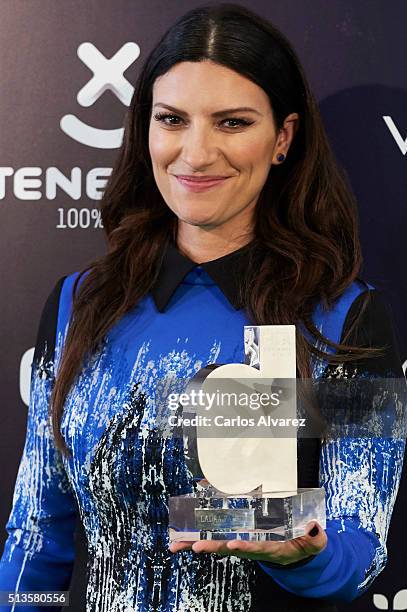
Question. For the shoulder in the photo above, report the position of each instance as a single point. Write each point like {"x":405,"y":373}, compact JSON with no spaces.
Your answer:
{"x":331,"y":322}
{"x":67,"y":293}
{"x":46,"y":331}
{"x":362,"y":316}
{"x":54,"y":316}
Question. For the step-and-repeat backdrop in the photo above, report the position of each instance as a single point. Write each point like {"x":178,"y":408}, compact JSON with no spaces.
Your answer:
{"x":67,"y":75}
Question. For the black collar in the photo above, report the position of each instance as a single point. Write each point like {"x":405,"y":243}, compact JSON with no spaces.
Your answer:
{"x":227,"y":272}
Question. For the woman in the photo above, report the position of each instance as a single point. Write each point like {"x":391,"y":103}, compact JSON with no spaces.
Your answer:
{"x":225,"y":207}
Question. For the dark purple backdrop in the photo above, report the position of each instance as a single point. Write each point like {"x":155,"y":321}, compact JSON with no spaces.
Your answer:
{"x":355,"y":56}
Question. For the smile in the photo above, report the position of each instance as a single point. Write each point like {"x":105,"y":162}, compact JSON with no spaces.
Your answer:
{"x":200,"y":185}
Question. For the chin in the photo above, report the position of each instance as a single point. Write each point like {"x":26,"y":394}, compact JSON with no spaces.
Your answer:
{"x":196,"y":219}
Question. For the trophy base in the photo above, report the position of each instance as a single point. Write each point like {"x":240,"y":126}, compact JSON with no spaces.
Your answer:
{"x":211,"y":514}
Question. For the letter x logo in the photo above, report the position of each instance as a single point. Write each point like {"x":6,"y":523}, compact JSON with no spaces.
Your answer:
{"x":107,"y":74}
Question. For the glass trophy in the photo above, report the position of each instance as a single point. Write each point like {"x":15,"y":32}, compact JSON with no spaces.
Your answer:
{"x":241,"y":453}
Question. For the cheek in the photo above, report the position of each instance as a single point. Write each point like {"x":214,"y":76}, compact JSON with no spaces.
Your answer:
{"x":160,"y":146}
{"x":259,"y":153}
{"x":253,"y":157}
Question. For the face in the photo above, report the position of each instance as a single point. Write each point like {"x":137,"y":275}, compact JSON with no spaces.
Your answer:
{"x":196,"y":131}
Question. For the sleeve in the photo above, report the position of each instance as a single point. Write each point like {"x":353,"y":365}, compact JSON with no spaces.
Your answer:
{"x":39,"y":551}
{"x":361,"y":475}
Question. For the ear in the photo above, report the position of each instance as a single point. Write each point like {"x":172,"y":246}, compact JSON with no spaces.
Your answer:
{"x":286,"y":136}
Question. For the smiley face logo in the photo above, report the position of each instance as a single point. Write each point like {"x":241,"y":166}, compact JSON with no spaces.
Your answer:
{"x":107,"y":74}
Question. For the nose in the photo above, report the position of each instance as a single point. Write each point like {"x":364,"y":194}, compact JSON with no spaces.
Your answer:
{"x":199,"y":147}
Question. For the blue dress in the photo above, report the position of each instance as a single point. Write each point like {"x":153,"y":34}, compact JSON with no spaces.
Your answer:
{"x":121,"y":472}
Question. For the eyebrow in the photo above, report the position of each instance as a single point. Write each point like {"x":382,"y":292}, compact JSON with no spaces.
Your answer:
{"x":225,"y":111}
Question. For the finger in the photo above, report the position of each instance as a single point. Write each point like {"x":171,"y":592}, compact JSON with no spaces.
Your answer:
{"x":314,"y":540}
{"x":254,"y":547}
{"x":211,"y":546}
{"x":241,"y":548}
{"x":257,"y":551}
{"x":177,"y":546}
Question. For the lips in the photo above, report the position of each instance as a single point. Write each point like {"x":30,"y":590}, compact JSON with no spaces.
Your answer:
{"x":197,"y":184}
{"x":199,"y":179}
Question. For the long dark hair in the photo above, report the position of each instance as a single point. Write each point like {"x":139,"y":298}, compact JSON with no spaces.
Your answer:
{"x":306,"y":246}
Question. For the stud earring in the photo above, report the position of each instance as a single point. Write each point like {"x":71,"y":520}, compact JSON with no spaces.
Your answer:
{"x":280,"y":157}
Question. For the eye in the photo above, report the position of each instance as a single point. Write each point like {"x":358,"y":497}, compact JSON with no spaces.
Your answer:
{"x":239,"y":121}
{"x":162,"y":117}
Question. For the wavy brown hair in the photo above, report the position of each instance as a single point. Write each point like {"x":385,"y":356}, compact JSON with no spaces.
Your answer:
{"x":306,"y":246}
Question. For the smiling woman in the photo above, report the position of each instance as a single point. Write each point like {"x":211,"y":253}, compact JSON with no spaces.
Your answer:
{"x":199,"y":145}
{"x":225,"y":208}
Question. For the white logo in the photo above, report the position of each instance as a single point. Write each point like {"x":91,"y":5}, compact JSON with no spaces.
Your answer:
{"x":107,"y":74}
{"x":399,"y":601}
{"x":402,"y":144}
{"x":25,"y":375}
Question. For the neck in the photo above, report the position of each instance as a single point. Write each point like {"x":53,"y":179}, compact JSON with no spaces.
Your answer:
{"x":201,"y":245}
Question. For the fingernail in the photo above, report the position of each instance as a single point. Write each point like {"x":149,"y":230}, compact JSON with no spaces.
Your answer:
{"x":314,"y":531}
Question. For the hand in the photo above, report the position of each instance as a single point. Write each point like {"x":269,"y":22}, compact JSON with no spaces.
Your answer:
{"x":284,"y":553}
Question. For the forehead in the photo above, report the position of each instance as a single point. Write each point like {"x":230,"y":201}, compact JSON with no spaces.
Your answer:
{"x":208,"y":85}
